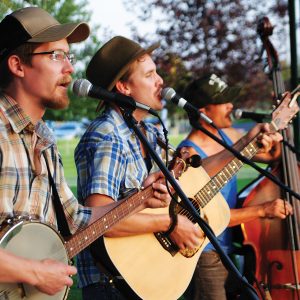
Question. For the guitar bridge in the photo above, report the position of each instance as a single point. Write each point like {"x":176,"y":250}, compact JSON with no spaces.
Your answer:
{"x":166,"y":243}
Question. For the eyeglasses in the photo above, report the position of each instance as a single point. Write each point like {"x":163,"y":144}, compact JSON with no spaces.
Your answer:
{"x":58,"y":55}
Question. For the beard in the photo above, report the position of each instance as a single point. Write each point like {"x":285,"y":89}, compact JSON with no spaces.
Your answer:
{"x":57,"y":102}
{"x":60,"y":99}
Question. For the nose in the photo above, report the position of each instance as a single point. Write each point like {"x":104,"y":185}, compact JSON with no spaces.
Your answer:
{"x":159,"y":80}
{"x":68,"y":67}
{"x":230,"y":105}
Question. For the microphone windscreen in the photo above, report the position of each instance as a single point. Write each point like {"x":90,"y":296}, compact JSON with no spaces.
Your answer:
{"x":168,"y":93}
{"x":237,"y":113}
{"x":81,"y":87}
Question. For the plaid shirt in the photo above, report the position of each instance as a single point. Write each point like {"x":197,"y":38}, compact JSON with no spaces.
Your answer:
{"x":22,"y":191}
{"x":109,"y":161}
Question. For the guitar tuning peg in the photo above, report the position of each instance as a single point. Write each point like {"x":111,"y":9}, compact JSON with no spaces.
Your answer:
{"x":278,"y":101}
{"x":273,"y":106}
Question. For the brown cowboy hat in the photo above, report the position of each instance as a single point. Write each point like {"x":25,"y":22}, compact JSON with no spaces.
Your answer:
{"x":113,"y":59}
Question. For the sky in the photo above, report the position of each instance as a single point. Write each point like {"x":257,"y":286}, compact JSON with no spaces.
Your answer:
{"x":113,"y":15}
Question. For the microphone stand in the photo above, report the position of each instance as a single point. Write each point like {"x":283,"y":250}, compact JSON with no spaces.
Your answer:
{"x":132,"y":123}
{"x":194,"y":117}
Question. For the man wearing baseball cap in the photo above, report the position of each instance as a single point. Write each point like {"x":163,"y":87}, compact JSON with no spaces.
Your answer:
{"x":35,"y":71}
{"x":214,"y":97}
{"x":111,"y":160}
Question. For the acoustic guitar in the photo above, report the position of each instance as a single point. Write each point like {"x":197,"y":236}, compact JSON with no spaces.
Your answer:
{"x":151,"y":265}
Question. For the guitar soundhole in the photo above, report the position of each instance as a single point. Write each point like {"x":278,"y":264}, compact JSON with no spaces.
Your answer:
{"x":181,"y":209}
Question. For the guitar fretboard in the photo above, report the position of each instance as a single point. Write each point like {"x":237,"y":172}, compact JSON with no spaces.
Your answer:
{"x":84,"y":238}
{"x":209,"y":190}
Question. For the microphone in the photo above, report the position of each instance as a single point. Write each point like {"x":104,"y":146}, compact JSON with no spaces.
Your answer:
{"x":170,"y":94}
{"x":258,"y":117}
{"x":84,"y":88}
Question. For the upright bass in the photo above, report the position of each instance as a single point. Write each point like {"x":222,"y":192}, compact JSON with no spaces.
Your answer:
{"x":275,"y":242}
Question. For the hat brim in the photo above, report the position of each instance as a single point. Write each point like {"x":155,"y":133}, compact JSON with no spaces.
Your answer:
{"x":230,"y":94}
{"x":72,"y":32}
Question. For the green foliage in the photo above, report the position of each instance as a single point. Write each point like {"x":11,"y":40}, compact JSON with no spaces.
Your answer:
{"x":66,"y":11}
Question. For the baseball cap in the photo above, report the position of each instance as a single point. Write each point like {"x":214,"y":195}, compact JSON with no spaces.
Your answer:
{"x":35,"y":25}
{"x":210,"y":89}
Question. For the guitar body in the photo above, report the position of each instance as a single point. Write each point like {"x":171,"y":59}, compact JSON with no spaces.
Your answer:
{"x":32,"y":240}
{"x":150,"y":270}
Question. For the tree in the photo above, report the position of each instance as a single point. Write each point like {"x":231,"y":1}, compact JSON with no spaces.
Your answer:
{"x":212,"y":36}
{"x":66,"y":11}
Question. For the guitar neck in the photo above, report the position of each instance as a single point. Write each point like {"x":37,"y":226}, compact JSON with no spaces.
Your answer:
{"x":85,"y":237}
{"x":222,"y":178}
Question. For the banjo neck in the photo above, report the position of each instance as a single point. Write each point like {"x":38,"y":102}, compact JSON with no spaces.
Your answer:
{"x":122,"y":209}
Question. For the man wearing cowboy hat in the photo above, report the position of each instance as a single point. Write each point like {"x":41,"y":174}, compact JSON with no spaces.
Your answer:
{"x":111,"y":160}
{"x":35,"y":71}
{"x":213,"y":97}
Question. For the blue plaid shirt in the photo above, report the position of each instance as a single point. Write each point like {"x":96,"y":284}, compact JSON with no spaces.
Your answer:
{"x":109,"y":161}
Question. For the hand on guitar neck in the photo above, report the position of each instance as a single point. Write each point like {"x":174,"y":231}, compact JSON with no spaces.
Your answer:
{"x":269,"y":148}
{"x":159,"y":199}
{"x":269,"y":142}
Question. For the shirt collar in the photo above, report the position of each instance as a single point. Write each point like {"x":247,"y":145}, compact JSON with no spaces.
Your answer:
{"x":20,"y":121}
{"x":124,"y":129}
{"x":14,"y":114}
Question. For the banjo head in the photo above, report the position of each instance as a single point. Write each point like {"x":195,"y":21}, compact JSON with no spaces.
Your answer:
{"x":32,"y":240}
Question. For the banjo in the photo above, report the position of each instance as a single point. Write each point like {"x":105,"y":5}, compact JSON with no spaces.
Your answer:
{"x":33,"y":239}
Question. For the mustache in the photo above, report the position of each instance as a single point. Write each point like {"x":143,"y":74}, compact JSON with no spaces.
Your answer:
{"x":66,"y":80}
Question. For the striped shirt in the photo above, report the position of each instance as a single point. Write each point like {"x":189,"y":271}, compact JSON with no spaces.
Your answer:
{"x":109,"y":162}
{"x":24,"y":183}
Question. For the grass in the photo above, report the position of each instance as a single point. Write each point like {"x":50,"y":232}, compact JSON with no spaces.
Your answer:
{"x":66,"y":148}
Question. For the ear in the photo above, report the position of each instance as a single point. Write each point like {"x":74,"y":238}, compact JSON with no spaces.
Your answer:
{"x":203,"y":110}
{"x":122,"y":87}
{"x":15,"y":65}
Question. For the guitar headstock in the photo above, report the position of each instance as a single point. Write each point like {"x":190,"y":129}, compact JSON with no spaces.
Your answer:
{"x":286,"y":111}
{"x":182,"y":160}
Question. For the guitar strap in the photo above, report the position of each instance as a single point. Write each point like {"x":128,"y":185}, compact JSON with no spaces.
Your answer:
{"x":62,"y":223}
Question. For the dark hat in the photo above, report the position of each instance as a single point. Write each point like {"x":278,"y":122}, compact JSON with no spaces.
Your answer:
{"x":35,"y":25}
{"x":113,"y":59}
{"x":210,"y":89}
